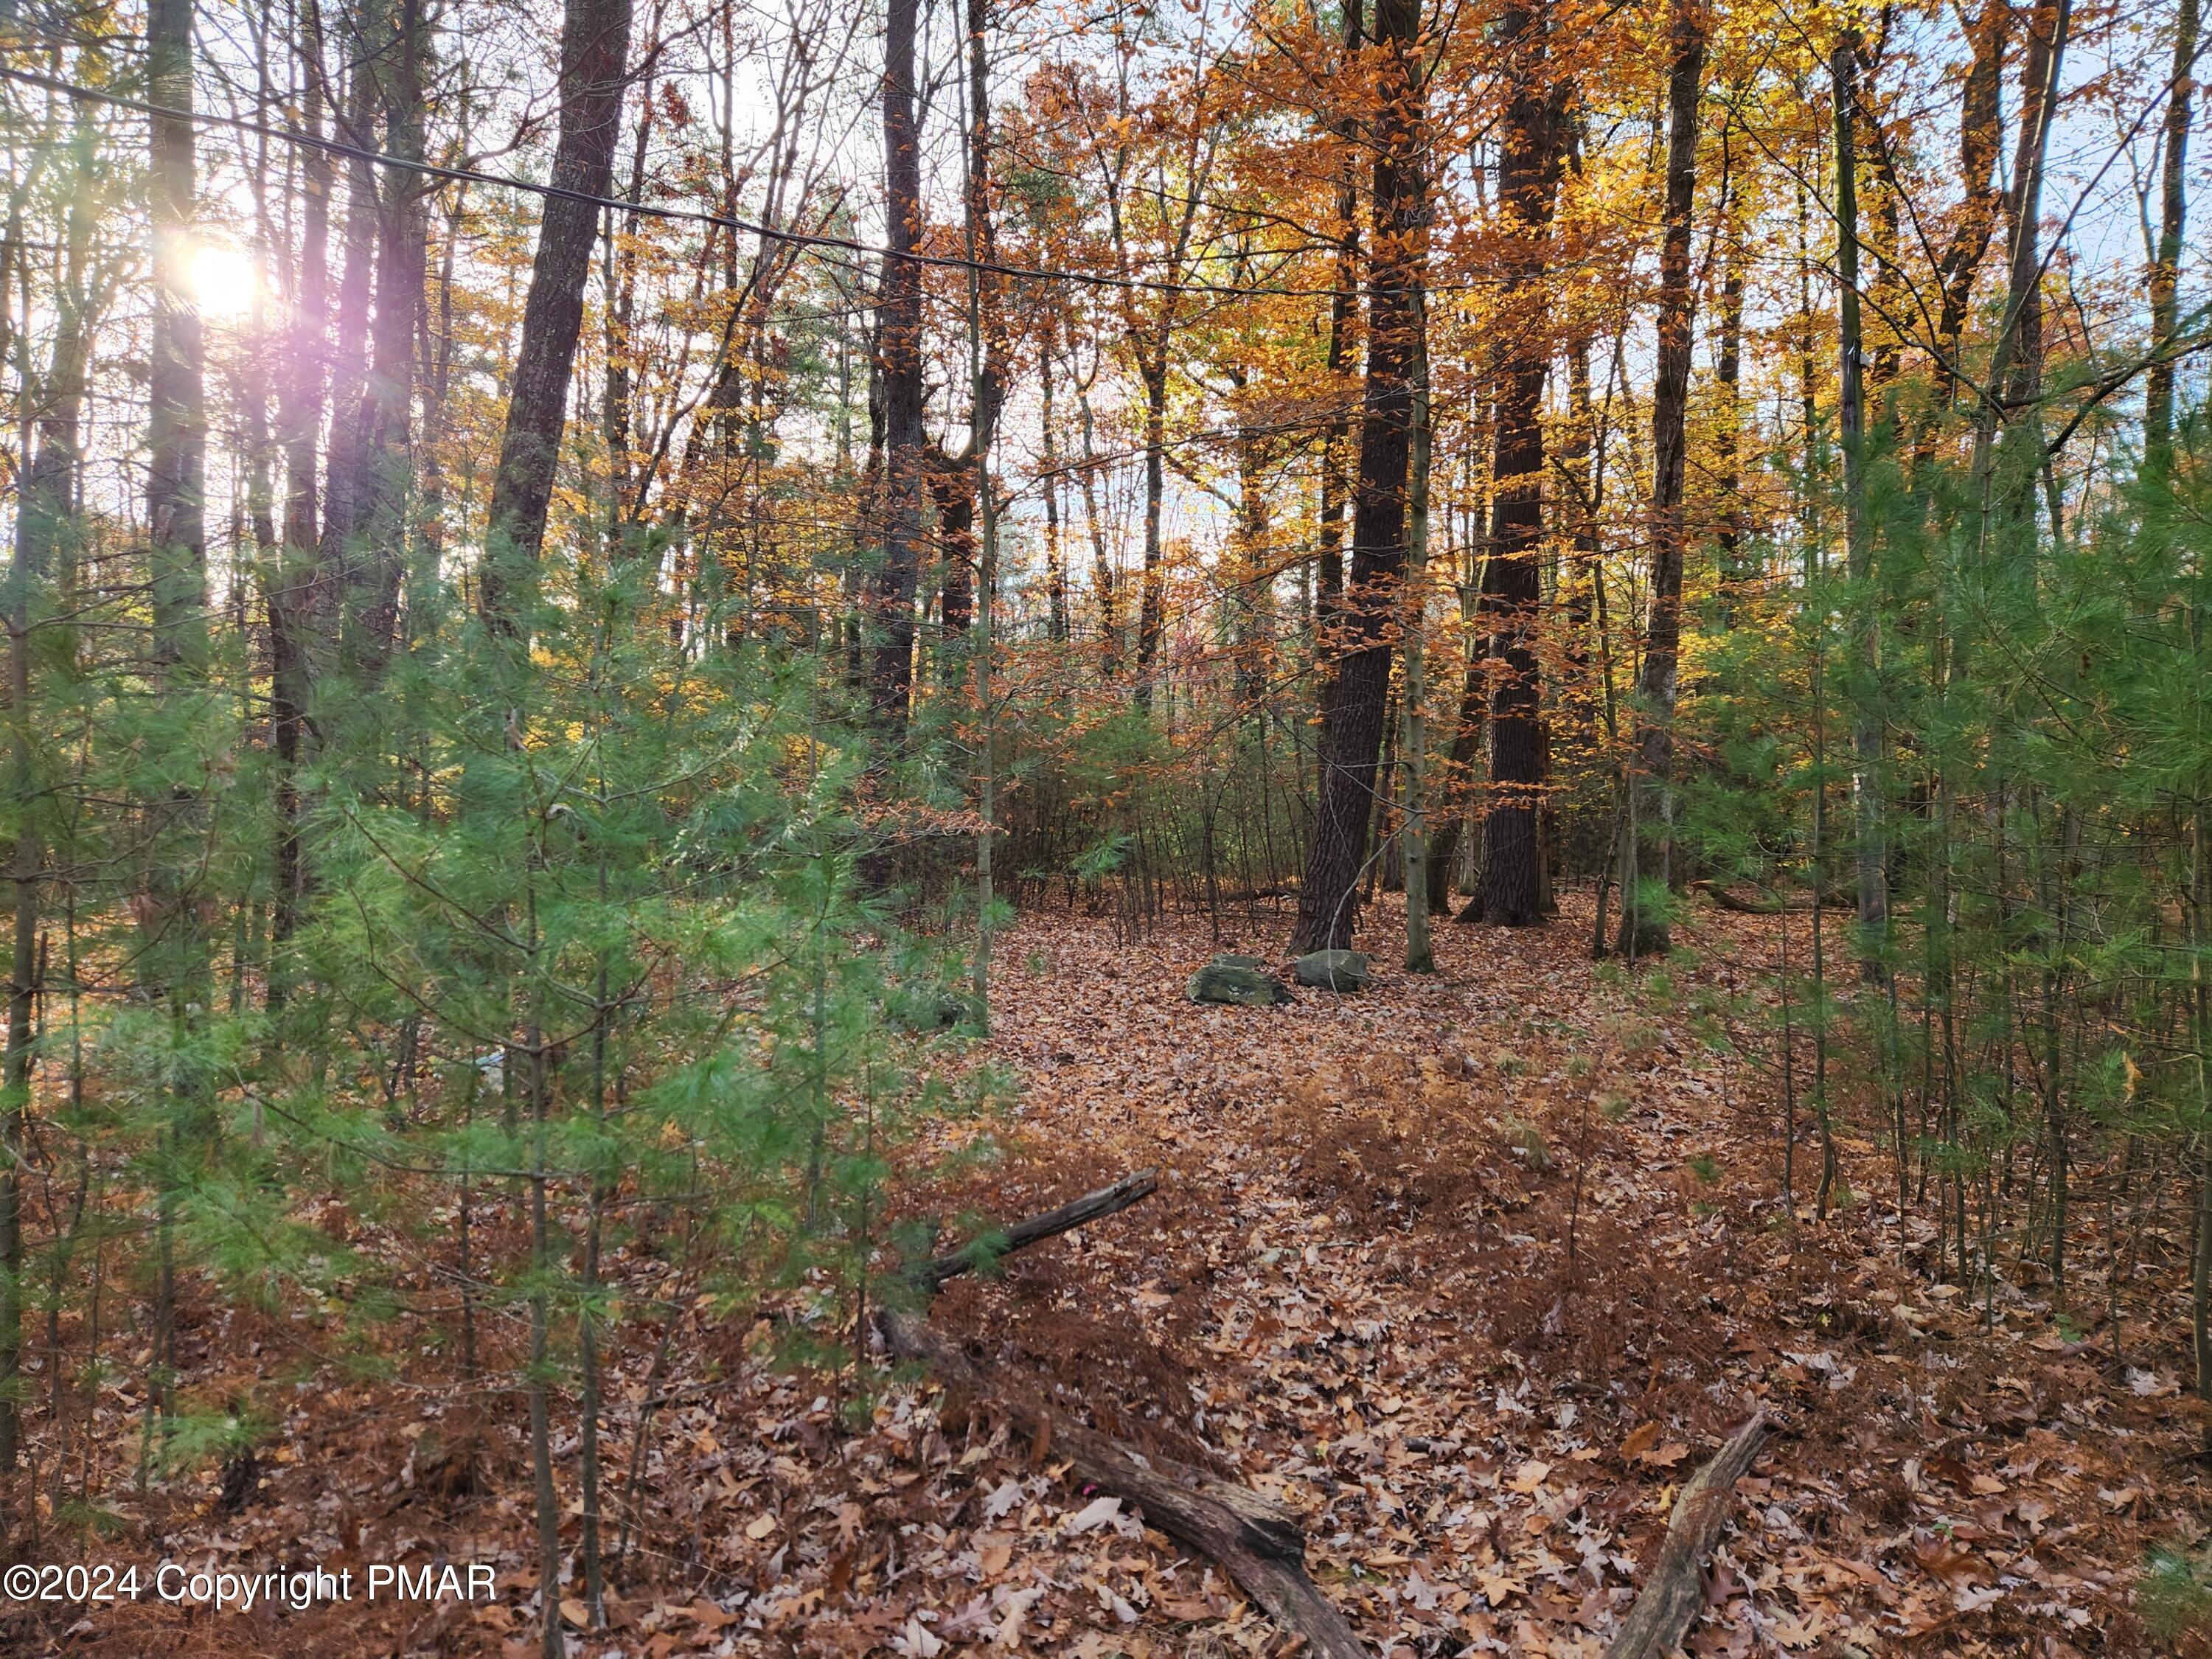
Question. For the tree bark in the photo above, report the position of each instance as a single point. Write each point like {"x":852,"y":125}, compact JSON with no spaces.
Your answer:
{"x":1644,"y":927}
{"x":345,"y":466}
{"x":1056,"y":557}
{"x":1873,"y":894}
{"x":898,"y":363}
{"x":43,"y":522}
{"x":2016,"y":359}
{"x":1355,"y":695}
{"x":1675,"y":1592}
{"x":2165,"y":274}
{"x":1728,"y":370}
{"x":176,"y":472}
{"x":1343,"y":313}
{"x":1528,"y":184}
{"x":291,"y":590}
{"x":594,"y":53}
{"x":173,"y":961}
{"x":1980,"y":128}
{"x":950,"y":483}
{"x":979,"y":1253}
{"x":370,"y":613}
{"x":1152,"y":614}
{"x":1413,"y":737}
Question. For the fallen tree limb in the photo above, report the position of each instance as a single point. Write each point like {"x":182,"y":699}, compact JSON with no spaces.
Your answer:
{"x":1257,"y":1541}
{"x":930,"y":1276}
{"x":1765,"y":903}
{"x":1675,"y":1590}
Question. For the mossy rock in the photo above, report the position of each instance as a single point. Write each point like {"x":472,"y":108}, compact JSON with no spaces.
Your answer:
{"x":1334,"y":970}
{"x":1235,"y":984}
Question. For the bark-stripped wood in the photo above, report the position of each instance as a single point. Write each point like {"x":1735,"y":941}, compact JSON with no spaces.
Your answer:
{"x":1675,"y":1589}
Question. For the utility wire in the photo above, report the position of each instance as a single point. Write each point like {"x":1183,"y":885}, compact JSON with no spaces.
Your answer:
{"x":811,"y":240}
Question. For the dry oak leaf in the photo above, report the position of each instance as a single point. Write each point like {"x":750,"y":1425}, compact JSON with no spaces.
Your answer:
{"x":1530,"y":1476}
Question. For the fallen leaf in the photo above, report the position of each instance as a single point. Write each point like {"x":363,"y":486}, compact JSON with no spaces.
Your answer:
{"x":1530,"y":1476}
{"x":1096,"y":1513}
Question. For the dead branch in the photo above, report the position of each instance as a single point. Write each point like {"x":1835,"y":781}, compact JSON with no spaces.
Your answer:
{"x":1765,"y":903}
{"x":1675,"y":1590}
{"x":1257,"y":1541}
{"x":930,"y":1276}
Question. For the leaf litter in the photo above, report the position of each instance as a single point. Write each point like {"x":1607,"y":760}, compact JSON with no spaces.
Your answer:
{"x":1468,"y":1271}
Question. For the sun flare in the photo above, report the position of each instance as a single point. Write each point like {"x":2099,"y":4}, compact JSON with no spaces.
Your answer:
{"x":223,"y":280}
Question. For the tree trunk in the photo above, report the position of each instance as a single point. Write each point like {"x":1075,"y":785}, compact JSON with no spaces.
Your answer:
{"x":1343,"y":312}
{"x":369,"y":616}
{"x":1528,"y":184}
{"x":1101,"y":567}
{"x":1643,"y":926}
{"x":2016,"y":359}
{"x":1413,"y":738}
{"x":1151,"y":601}
{"x":43,"y":521}
{"x":1728,"y":370}
{"x":1355,"y":694}
{"x":951,"y":488}
{"x":173,"y":955}
{"x":2173,"y":205}
{"x":1056,"y":557}
{"x":345,"y":464}
{"x":594,"y":52}
{"x":1249,"y":580}
{"x":291,"y":591}
{"x":1858,"y":535}
{"x":898,"y":356}
{"x":1980,"y":128}
{"x":985,"y":381}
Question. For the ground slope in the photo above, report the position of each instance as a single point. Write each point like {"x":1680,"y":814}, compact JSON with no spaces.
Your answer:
{"x":1470,"y":1270}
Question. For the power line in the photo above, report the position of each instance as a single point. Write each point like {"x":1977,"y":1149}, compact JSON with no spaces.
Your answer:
{"x":811,"y":241}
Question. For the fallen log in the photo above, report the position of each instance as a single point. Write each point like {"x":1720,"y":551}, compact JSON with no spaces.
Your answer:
{"x":1675,"y":1590}
{"x":930,"y":1276}
{"x":1253,"y":1540}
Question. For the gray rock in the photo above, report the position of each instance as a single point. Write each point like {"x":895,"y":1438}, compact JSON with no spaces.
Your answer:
{"x":1228,"y":960}
{"x":1334,"y":970}
{"x":1234,"y":983}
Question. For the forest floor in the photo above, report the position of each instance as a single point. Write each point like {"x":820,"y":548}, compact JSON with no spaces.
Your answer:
{"x":1471,"y":1270}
